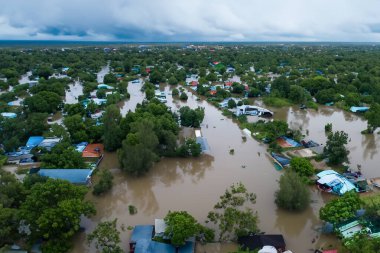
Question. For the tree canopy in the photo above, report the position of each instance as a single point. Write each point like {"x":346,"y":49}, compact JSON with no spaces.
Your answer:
{"x":293,"y":194}
{"x":53,"y":210}
{"x":335,"y":149}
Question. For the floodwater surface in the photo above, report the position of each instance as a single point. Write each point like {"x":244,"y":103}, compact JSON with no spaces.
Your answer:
{"x":195,"y":184}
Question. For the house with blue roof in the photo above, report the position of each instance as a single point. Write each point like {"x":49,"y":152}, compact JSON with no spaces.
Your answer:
{"x":141,"y":242}
{"x":74,"y":176}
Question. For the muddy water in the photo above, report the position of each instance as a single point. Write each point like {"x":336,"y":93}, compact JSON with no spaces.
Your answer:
{"x":195,"y":185}
{"x":105,"y":70}
{"x":363,"y":148}
{"x":134,"y":89}
{"x":75,"y":90}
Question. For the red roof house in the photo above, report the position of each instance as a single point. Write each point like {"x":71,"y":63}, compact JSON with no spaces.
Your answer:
{"x":95,"y":150}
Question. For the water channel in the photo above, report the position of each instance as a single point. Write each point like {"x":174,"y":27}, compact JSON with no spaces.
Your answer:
{"x":195,"y":185}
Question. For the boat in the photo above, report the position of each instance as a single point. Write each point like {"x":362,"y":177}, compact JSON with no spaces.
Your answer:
{"x":280,"y":161}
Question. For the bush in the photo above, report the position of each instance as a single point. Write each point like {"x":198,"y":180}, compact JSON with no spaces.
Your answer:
{"x":104,"y":184}
{"x":276,"y":102}
{"x":183,"y":96}
{"x":175,"y":92}
{"x":302,"y":166}
{"x":328,"y":127}
{"x":293,"y":193}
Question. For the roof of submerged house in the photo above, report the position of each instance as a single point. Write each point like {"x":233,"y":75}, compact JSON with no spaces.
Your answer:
{"x":142,"y":236}
{"x":253,"y":241}
{"x":75,"y":176}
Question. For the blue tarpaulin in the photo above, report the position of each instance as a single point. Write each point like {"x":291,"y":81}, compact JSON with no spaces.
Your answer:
{"x":34,"y":141}
{"x":75,"y":176}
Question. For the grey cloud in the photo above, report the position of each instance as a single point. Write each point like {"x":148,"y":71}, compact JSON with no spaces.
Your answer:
{"x":195,"y":20}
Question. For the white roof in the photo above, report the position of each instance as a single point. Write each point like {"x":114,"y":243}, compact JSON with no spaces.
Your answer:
{"x":198,"y":133}
{"x":335,"y":180}
{"x":268,"y":249}
{"x":159,"y":226}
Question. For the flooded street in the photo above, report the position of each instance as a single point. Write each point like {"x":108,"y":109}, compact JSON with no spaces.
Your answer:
{"x":134,"y":89}
{"x":75,"y":90}
{"x":195,"y":184}
{"x":100,"y":76}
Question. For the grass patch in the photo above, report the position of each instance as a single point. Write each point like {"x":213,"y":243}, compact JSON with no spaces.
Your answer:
{"x":312,"y":105}
{"x":276,"y":101}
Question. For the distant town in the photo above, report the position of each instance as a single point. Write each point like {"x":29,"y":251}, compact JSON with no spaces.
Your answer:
{"x":189,"y":147}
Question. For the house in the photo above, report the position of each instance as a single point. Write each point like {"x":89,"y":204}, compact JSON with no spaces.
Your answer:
{"x":253,"y":110}
{"x":49,"y":143}
{"x":254,"y":242}
{"x":74,"y":176}
{"x":331,"y":181}
{"x":95,"y":150}
{"x":81,"y":146}
{"x":141,"y":242}
{"x":34,"y":141}
{"x":105,"y":86}
{"x":9,"y":115}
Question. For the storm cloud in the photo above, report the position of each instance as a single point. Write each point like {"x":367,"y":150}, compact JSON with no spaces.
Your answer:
{"x":195,"y":20}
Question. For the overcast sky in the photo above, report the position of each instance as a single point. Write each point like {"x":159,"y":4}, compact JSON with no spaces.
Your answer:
{"x":191,"y":20}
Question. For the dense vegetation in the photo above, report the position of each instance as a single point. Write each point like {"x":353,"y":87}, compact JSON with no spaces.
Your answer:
{"x":307,"y":74}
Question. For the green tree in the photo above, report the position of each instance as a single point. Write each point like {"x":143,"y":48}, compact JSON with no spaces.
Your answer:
{"x":76,"y":127}
{"x":231,"y":103}
{"x":335,"y":149}
{"x":110,"y":78}
{"x":106,"y":237}
{"x":191,"y":117}
{"x":63,"y":156}
{"x":373,"y":117}
{"x":180,"y":226}
{"x":44,"y":102}
{"x":137,"y":153}
{"x":232,"y":215}
{"x":172,"y":80}
{"x":189,"y":148}
{"x":341,"y":209}
{"x":112,"y":136}
{"x":104,"y":184}
{"x":9,"y":224}
{"x":183,"y":96}
{"x":362,"y":243}
{"x":293,"y":194}
{"x":175,"y":92}
{"x":302,"y":166}
{"x":297,"y":94}
{"x":53,"y":210}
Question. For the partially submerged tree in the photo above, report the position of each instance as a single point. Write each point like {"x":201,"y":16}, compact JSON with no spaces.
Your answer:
{"x":180,"y":226}
{"x":191,"y":117}
{"x":233,"y":213}
{"x":106,"y":237}
{"x":335,"y":149}
{"x":112,"y":136}
{"x":293,"y":193}
{"x":104,"y":184}
{"x":137,"y":153}
{"x":373,"y":117}
{"x":302,"y":166}
{"x":341,"y":209}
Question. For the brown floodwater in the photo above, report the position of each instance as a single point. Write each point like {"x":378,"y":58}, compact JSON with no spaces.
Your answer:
{"x":195,"y":184}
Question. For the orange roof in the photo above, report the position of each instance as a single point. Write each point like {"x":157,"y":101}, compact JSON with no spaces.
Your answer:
{"x":213,"y":92}
{"x":93,"y":150}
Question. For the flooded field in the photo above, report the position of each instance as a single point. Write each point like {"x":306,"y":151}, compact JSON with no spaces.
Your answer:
{"x":195,"y":185}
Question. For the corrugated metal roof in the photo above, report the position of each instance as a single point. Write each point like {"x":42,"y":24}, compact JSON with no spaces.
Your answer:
{"x":75,"y":176}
